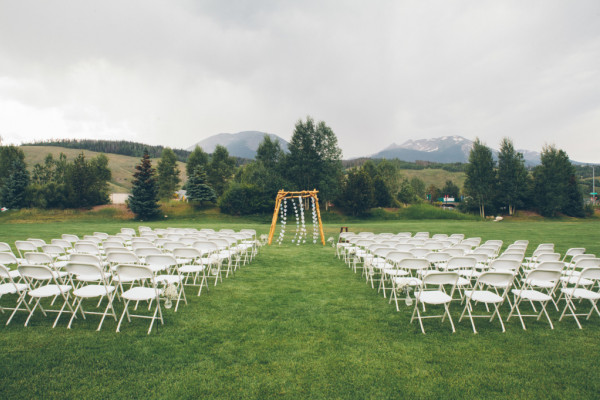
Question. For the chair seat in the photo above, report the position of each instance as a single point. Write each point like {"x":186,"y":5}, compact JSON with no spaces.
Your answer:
{"x":92,"y":278}
{"x":574,"y":279}
{"x":9,"y":288}
{"x":141,"y":293}
{"x":541,"y":284}
{"x":190,"y":268}
{"x":433,"y":297}
{"x":407,"y":281}
{"x":169,"y":278}
{"x":49,"y":290}
{"x":483,"y":296}
{"x":14,"y":274}
{"x":532,"y":295}
{"x":93,"y":291}
{"x":581,"y":293}
{"x":463,"y":281}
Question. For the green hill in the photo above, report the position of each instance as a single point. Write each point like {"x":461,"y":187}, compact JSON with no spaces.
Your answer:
{"x":122,"y":167}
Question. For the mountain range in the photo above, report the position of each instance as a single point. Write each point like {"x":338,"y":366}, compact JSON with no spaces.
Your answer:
{"x":241,"y":144}
{"x":445,"y":149}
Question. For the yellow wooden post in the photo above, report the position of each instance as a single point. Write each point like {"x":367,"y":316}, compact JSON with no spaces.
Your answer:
{"x":275,"y":214}
{"x":319,"y":217}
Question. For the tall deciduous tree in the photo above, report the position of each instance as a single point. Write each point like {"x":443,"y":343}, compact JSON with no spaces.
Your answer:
{"x":450,"y":189}
{"x":314,"y":161}
{"x":555,"y":185}
{"x":480,"y":179}
{"x":168,"y":174}
{"x":220,"y":170}
{"x":144,"y":194}
{"x":8,"y":155}
{"x":196,"y":158}
{"x":86,"y":181}
{"x":512,"y":176}
{"x":13,"y":193}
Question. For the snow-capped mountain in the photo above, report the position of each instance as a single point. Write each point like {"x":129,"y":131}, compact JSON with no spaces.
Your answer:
{"x":445,"y":149}
{"x":241,"y":144}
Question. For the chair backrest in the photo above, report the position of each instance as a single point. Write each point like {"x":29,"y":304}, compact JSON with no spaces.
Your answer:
{"x":85,"y":258}
{"x":122,"y":257}
{"x":165,"y":260}
{"x":587,"y":263}
{"x":472,"y":241}
{"x":70,"y":238}
{"x":142,"y":245}
{"x":592,"y":273}
{"x":187,"y":252}
{"x":54,"y":250}
{"x":146,"y":251}
{"x":36,"y":272}
{"x":423,"y":235}
{"x":437,"y":257}
{"x":454,"y":252}
{"x":132,"y":273}
{"x":551,"y":266}
{"x":419,"y":252}
{"x":37,"y":242}
{"x":440,"y":278}
{"x":547,"y":257}
{"x":416,"y":241}
{"x":89,"y":270}
{"x":404,"y":246}
{"x":512,"y":256}
{"x":38,"y":258}
{"x":92,"y":238}
{"x":457,"y":236}
{"x":7,"y":258}
{"x":414,"y":264}
{"x":5,"y":247}
{"x":395,"y":257}
{"x":505,"y":265}
{"x":495,"y":279}
{"x":205,"y":247}
{"x":541,"y":274}
{"x":128,"y":231}
{"x":86,"y":248}
{"x":24,"y":246}
{"x":462,"y":263}
{"x":382,"y":252}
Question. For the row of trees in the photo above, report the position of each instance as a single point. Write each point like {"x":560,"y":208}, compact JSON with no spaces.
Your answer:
{"x":81,"y":183}
{"x":552,"y":188}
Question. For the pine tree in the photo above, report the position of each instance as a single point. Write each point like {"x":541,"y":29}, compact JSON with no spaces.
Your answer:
{"x":14,"y":191}
{"x":168,"y":174}
{"x":512,"y":176}
{"x":196,"y":158}
{"x":220,"y":170}
{"x":144,"y":198}
{"x":480,"y":180}
{"x":198,"y":191}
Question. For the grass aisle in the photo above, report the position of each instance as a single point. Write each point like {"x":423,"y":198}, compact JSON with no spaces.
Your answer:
{"x":296,"y":323}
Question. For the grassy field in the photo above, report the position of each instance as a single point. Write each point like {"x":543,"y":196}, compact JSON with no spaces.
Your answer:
{"x":297,"y":323}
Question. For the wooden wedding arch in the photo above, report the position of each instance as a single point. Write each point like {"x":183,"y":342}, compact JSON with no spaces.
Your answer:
{"x":304,"y":194}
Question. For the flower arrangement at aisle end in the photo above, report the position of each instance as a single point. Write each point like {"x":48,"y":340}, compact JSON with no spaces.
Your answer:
{"x":170,"y":293}
{"x":283,"y":216}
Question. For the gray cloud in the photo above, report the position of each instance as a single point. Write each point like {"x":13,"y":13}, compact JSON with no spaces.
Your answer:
{"x":172,"y":73}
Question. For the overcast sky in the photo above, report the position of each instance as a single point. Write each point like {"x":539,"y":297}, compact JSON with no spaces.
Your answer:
{"x":377,"y":72}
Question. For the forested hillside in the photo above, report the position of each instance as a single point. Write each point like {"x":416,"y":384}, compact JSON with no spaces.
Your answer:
{"x":123,"y":147}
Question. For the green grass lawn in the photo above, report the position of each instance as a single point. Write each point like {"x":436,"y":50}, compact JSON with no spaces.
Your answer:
{"x":297,"y":323}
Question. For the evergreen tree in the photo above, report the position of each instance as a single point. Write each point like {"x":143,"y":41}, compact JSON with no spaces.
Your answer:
{"x":196,"y":158}
{"x":270,"y":154}
{"x":451,"y":190}
{"x":555,"y":185}
{"x":480,"y":180}
{"x":168,"y":174}
{"x":198,"y":191}
{"x":381,"y":193}
{"x":357,"y":193}
{"x":8,"y":155}
{"x":390,"y":174}
{"x":512,"y":176}
{"x":405,"y":195}
{"x":13,"y":193}
{"x":143,"y":201}
{"x":418,"y":187}
{"x":220,"y":170}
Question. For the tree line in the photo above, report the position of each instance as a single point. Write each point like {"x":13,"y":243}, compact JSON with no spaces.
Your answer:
{"x":313,"y":161}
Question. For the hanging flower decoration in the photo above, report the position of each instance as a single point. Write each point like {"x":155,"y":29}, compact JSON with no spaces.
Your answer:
{"x":283,"y":216}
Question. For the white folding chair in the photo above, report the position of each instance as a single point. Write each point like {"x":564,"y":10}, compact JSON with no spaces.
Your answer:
{"x":101,"y":289}
{"x":414,"y":268}
{"x":437,"y":296}
{"x":44,"y":283}
{"x":580,"y":292}
{"x":491,"y":288}
{"x":189,"y":261}
{"x":9,"y":286}
{"x":151,"y":293}
{"x":172,"y":276}
{"x":536,"y":279}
